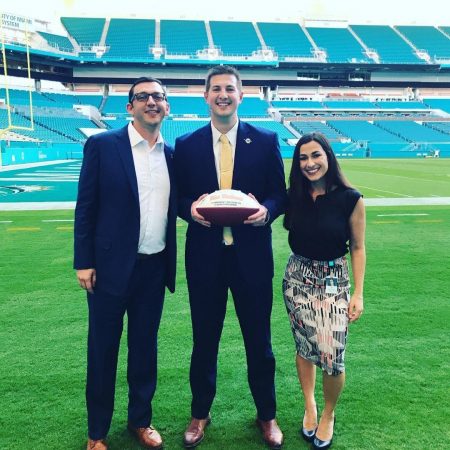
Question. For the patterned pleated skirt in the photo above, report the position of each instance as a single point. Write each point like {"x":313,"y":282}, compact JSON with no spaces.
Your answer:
{"x":319,"y":320}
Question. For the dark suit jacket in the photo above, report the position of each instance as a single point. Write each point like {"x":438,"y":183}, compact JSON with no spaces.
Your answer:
{"x":107,"y":215}
{"x":258,"y":169}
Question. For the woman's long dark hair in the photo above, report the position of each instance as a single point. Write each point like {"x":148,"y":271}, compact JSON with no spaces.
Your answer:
{"x":299,"y":185}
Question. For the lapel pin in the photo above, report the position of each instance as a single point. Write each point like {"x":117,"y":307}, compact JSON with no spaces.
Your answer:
{"x":248,"y":141}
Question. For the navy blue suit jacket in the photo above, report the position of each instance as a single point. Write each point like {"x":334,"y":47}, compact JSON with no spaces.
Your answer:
{"x":107,"y":214}
{"x":258,"y":169}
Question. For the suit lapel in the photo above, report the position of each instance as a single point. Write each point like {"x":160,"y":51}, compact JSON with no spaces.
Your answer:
{"x":168,"y":153}
{"x":241,"y":153}
{"x":126,"y":155}
{"x":206,"y":148}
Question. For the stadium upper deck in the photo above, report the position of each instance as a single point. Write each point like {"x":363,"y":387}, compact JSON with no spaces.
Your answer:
{"x":187,"y":41}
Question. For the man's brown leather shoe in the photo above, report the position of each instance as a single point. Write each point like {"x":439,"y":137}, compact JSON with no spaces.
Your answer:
{"x":195,"y":432}
{"x":271,"y":433}
{"x":147,"y":436}
{"x":98,"y":444}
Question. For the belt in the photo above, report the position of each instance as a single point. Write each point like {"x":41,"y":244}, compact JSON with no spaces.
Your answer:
{"x":142,"y":256}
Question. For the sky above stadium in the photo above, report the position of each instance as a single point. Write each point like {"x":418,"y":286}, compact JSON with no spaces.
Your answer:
{"x":425,"y":12}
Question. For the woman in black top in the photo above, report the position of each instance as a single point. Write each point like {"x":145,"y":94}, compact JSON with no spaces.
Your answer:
{"x":325,"y":219}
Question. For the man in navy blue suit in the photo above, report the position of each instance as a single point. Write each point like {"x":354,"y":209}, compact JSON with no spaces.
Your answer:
{"x":125,"y":255}
{"x":240,"y":258}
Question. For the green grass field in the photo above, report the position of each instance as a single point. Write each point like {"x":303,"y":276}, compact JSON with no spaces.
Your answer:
{"x":397,"y":392}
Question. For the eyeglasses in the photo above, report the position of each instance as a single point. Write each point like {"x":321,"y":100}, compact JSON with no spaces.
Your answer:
{"x":158,"y":97}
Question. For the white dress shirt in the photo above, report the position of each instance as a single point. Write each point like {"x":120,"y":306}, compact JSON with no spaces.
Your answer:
{"x":232,"y":137}
{"x":154,"y":190}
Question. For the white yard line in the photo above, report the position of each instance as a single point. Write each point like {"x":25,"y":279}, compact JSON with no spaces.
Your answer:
{"x":415,"y":201}
{"x":382,"y":190}
{"x":43,"y":180}
{"x":36,"y":164}
{"x":30,"y":206}
{"x":395,"y":215}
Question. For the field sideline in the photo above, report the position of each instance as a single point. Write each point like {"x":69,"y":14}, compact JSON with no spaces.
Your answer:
{"x":398,"y":355}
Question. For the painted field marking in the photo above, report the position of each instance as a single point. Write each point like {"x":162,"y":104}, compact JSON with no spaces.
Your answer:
{"x":382,"y":190}
{"x":379,"y":222}
{"x":429,"y":220}
{"x":402,"y":176}
{"x":406,"y":214}
{"x":5,"y":221}
{"x":51,"y":177}
{"x":23,"y":229}
{"x":58,"y":220}
{"x":59,"y":180}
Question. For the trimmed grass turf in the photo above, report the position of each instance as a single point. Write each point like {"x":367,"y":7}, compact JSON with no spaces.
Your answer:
{"x":397,"y":361}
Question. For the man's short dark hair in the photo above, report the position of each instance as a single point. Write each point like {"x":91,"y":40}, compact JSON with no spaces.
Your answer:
{"x":144,"y":80}
{"x":222,"y":70}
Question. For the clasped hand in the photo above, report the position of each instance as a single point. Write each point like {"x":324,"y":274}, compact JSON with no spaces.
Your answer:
{"x":258,"y":219}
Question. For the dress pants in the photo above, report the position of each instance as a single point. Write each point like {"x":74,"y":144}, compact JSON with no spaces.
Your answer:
{"x":253,"y":304}
{"x":143,"y":304}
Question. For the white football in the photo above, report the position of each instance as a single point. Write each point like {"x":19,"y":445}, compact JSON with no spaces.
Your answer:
{"x":227,"y":207}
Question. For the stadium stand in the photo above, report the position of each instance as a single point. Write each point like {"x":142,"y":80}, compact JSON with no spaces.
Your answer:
{"x":61,"y":43}
{"x":430,"y":39}
{"x":389,"y":46}
{"x":130,"y":39}
{"x":316,"y":126}
{"x":364,"y":131}
{"x":302,"y":104}
{"x":183,"y":37}
{"x":287,"y":39}
{"x":392,"y":104}
{"x":183,"y":105}
{"x":349,"y":104}
{"x":412,"y":131}
{"x":235,"y":38}
{"x":86,"y":31}
{"x":438,"y":103}
{"x":299,"y":92}
{"x":340,"y":45}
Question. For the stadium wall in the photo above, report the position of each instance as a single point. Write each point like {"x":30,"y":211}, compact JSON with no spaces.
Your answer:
{"x":28,"y":152}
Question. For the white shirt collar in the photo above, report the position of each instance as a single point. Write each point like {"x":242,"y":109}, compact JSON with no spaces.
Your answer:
{"x":231,"y":135}
{"x":136,"y":138}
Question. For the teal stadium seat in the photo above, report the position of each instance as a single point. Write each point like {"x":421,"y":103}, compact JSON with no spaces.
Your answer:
{"x":297,"y":104}
{"x":61,"y":43}
{"x":339,"y":44}
{"x":430,"y":39}
{"x":182,"y":105}
{"x":412,"y":131}
{"x":390,"y":47}
{"x":358,"y":130}
{"x":317,"y":126}
{"x":287,"y":39}
{"x":235,"y":38}
{"x":86,"y":31}
{"x":401,"y":105}
{"x":130,"y":39}
{"x":438,"y":103}
{"x":349,"y":104}
{"x":183,"y":37}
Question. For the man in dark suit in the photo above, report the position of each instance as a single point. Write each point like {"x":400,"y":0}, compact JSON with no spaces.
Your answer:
{"x":125,"y":254}
{"x":240,"y":258}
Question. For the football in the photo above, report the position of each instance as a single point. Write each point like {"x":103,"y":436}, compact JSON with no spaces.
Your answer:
{"x":227,"y":207}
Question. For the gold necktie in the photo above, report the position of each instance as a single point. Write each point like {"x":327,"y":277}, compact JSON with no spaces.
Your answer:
{"x":226,"y":177}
